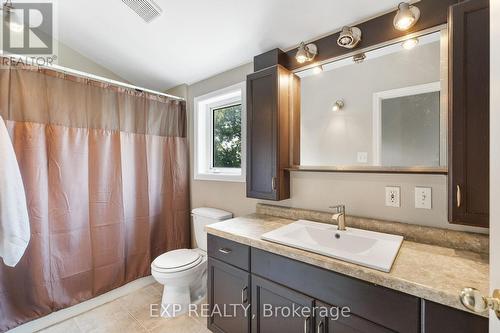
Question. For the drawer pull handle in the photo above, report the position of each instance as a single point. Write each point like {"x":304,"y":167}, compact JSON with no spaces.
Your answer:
{"x":273,"y":183}
{"x":225,"y":251}
{"x":459,"y":196}
{"x":306,"y":325}
{"x":320,"y":327}
{"x":244,"y":295}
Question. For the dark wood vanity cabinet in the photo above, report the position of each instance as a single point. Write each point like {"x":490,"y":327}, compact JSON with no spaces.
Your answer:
{"x":439,"y":318}
{"x":269,"y":304}
{"x":468,"y":177}
{"x":227,"y":285}
{"x":331,"y":321}
{"x":270,"y":96}
{"x":265,"y":283}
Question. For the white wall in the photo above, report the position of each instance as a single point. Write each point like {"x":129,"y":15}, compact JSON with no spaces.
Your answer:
{"x":334,"y":138}
{"x":362,"y":193}
{"x":495,"y":155}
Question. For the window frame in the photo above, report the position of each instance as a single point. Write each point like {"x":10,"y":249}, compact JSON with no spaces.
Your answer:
{"x":203,"y":133}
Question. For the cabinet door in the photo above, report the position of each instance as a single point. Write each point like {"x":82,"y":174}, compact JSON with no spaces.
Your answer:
{"x":262,"y":134}
{"x":273,"y":103}
{"x":469,"y":113}
{"x":439,"y":318}
{"x":228,"y":298}
{"x":273,"y":309}
{"x":329,"y":319}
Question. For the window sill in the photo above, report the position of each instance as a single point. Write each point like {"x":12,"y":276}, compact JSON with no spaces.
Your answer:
{"x":221,"y":177}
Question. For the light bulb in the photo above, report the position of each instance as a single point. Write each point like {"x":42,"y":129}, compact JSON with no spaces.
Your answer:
{"x":339,"y":104}
{"x":410,"y":43}
{"x":301,"y":59}
{"x":404,"y":22}
{"x":317,"y":69}
{"x":306,"y":53}
{"x":406,"y":17}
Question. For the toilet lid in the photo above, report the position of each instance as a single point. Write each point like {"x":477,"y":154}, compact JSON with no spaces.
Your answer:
{"x":177,"y":259}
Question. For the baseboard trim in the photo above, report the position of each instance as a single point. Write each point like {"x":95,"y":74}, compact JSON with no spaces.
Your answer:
{"x":72,"y":311}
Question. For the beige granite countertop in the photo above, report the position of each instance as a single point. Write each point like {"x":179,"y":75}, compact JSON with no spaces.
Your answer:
{"x":431,"y":272}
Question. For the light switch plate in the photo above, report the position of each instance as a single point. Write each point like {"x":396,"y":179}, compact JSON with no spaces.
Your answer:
{"x":423,"y":197}
{"x":392,"y":196}
{"x":362,"y":157}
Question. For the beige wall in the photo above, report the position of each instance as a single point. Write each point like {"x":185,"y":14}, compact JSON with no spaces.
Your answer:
{"x":67,"y":57}
{"x":179,"y":91}
{"x":363,"y":194}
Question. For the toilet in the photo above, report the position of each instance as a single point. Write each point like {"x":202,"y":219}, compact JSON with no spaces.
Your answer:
{"x":183,"y":272}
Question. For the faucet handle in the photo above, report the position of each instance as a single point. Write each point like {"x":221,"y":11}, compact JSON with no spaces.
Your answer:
{"x":339,"y":208}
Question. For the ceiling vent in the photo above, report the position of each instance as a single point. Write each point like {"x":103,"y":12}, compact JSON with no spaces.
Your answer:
{"x":148,"y":10}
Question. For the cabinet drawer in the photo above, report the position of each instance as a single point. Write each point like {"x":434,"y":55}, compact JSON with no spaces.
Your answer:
{"x":386,"y":307}
{"x":230,"y":252}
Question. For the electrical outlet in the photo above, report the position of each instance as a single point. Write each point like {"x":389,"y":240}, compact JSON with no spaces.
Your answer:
{"x":362,"y":157}
{"x":392,"y":196}
{"x":423,"y":197}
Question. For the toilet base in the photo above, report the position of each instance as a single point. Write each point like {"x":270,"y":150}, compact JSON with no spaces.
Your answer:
{"x":177,"y":299}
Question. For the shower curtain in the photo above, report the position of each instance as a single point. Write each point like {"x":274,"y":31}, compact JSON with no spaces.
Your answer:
{"x":105,"y":169}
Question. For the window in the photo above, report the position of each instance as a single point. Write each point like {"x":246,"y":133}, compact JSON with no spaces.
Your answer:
{"x":219,"y":121}
{"x":226,"y":140}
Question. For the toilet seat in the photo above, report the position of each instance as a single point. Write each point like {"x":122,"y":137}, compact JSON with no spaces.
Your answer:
{"x":177,"y":261}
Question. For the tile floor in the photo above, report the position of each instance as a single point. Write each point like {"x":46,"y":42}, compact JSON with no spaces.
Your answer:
{"x":130,"y":313}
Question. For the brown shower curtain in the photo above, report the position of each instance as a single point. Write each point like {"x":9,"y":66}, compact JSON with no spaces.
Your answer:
{"x":105,"y":171}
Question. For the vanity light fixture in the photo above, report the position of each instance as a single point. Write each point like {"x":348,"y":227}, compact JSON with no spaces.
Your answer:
{"x":317,"y":69}
{"x":306,"y":52}
{"x":406,"y":17}
{"x":339,"y":105}
{"x":410,"y":43}
{"x":349,"y":37}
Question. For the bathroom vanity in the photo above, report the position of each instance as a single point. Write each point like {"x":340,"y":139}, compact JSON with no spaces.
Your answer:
{"x":420,"y":294}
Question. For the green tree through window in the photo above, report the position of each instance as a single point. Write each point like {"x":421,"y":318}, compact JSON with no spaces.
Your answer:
{"x":227,"y":137}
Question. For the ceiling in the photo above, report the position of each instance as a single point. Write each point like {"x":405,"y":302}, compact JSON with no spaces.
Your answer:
{"x":195,"y":39}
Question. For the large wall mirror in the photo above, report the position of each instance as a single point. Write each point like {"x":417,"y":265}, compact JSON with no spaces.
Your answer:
{"x":385,"y":108}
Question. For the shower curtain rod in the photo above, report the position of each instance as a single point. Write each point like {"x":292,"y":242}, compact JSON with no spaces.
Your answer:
{"x":82,"y":74}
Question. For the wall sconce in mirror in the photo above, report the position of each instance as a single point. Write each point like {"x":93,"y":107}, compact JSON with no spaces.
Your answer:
{"x":359,"y":58}
{"x":410,"y":43}
{"x":406,"y":17}
{"x":349,"y":37}
{"x":339,"y":105}
{"x":317,"y":69}
{"x":306,"y":52}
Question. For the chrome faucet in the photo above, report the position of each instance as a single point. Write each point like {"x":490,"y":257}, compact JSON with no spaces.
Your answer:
{"x":339,"y":217}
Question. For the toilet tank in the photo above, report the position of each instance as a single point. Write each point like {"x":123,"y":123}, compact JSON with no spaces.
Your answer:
{"x":200,"y":217}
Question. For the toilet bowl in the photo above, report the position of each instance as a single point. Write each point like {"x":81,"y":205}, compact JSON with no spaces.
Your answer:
{"x":183,"y":272}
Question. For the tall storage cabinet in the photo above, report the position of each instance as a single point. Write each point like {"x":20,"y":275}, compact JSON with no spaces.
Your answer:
{"x":272,"y":101}
{"x":468,"y":178}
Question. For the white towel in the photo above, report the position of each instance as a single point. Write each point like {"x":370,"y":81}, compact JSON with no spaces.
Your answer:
{"x":14,"y":220}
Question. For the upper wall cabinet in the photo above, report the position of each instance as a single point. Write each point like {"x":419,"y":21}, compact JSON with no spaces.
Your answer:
{"x":469,"y":113}
{"x":270,"y":100}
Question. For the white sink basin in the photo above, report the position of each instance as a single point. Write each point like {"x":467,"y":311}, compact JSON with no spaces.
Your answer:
{"x":367,"y":248}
